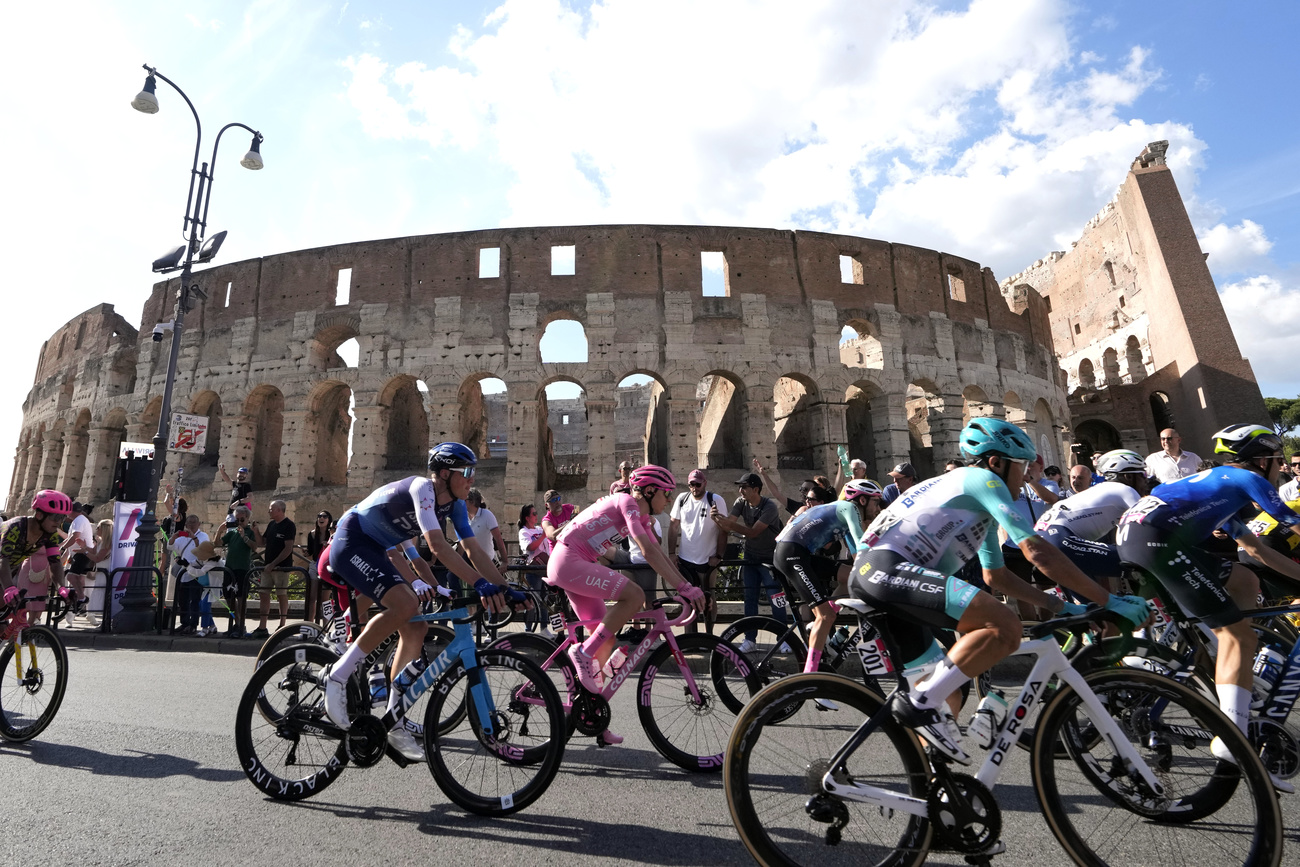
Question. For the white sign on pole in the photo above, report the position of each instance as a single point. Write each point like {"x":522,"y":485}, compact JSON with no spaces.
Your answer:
{"x":189,"y":434}
{"x":126,"y":523}
{"x":140,"y":450}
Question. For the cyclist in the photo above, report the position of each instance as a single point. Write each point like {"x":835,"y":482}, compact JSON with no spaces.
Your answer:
{"x":574,"y":567}
{"x":26,"y":536}
{"x":1076,"y":525}
{"x":1163,"y":535}
{"x":373,"y":550}
{"x":908,"y":557}
{"x":815,"y":578}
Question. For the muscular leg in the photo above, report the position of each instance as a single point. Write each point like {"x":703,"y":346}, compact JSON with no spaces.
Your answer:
{"x":1237,"y":641}
{"x":629,"y":601}
{"x":823,"y":623}
{"x":990,"y":632}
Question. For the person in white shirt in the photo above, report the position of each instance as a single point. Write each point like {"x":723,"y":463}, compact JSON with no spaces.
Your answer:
{"x":485,"y":527}
{"x":188,"y":591}
{"x":1171,"y":463}
{"x":696,"y":540}
{"x":1291,"y":490}
{"x":76,"y":563}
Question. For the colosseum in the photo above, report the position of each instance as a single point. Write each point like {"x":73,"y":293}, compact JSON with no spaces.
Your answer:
{"x":810,"y":340}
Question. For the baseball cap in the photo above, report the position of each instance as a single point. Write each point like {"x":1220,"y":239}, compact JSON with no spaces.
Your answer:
{"x":696,"y":476}
{"x":242,"y":470}
{"x":904,"y":469}
{"x":750,"y":480}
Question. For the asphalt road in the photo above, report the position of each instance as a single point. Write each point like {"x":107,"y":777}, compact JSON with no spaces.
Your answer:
{"x":139,"y":767}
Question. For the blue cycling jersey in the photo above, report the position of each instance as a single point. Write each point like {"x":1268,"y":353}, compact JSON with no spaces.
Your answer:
{"x":1196,"y":506}
{"x":408,"y":508}
{"x":815,"y":528}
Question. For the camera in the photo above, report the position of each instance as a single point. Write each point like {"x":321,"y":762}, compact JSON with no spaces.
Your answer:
{"x":160,"y":329}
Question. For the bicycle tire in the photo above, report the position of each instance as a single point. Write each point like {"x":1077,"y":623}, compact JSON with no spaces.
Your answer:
{"x":291,"y":633}
{"x":691,"y":735}
{"x":769,"y":662}
{"x":770,"y":759}
{"x":288,"y":680}
{"x":539,"y":649}
{"x":29,"y":703}
{"x":463,"y":760}
{"x":1091,"y":830}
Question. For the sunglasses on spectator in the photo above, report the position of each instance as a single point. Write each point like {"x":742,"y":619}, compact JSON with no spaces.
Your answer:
{"x":695,"y":484}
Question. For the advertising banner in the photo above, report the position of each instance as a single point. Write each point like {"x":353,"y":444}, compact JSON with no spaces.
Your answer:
{"x":189,"y":434}
{"x":137,"y":450}
{"x":126,"y":521}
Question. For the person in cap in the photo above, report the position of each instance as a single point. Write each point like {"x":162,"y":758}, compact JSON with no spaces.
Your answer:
{"x":240,"y":488}
{"x":558,"y":513}
{"x":696,"y":540}
{"x":904,"y":476}
{"x":754,"y":517}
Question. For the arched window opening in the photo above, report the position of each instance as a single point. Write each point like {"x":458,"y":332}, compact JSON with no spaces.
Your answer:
{"x":860,"y":425}
{"x":798,"y":425}
{"x":335,"y":343}
{"x":1093,"y":436}
{"x":1137,"y":371}
{"x":564,"y":340}
{"x":484,"y":417}
{"x":1110,"y":366}
{"x":922,"y":402}
{"x":77,"y":440}
{"x":562,"y":448}
{"x":1044,"y":432}
{"x":407,"y":445}
{"x":350,"y":351}
{"x":1110,"y":273}
{"x":721,"y":422}
{"x":859,"y":346}
{"x":1087,"y":378}
{"x":1014,"y":410}
{"x":974,"y":404}
{"x":641,"y":421}
{"x":333,"y":414}
{"x":1161,"y":411}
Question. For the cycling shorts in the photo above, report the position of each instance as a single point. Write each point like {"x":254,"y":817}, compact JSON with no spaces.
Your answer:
{"x":360,"y":561}
{"x":586,"y":584}
{"x":811,"y":578}
{"x":1193,"y":577}
{"x":1094,"y":559}
{"x":892,"y":583}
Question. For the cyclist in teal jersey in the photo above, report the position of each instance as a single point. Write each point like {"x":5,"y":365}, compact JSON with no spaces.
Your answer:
{"x":911,"y":552}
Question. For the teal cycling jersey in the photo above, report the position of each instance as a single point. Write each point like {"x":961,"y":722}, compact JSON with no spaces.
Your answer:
{"x":944,"y":522}
{"x":815,"y":528}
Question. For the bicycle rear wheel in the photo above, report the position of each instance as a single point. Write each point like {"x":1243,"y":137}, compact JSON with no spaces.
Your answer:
{"x":779,"y":651}
{"x":288,"y":755}
{"x":691,"y":733}
{"x":33,"y":678}
{"x":1102,"y":815}
{"x":502,"y":773}
{"x":539,"y":649}
{"x":775,"y":763}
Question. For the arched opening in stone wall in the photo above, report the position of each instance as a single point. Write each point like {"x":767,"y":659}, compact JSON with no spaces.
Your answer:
{"x":563,"y":339}
{"x":798,"y":424}
{"x":859,"y":424}
{"x":406,"y":441}
{"x":52,"y":460}
{"x":75,"y":447}
{"x":1133,"y":357}
{"x":1162,"y":413}
{"x":208,"y":403}
{"x":1087,"y":378}
{"x":34,"y":463}
{"x":1014,"y":411}
{"x":641,"y":420}
{"x":334,"y":345}
{"x":1092,"y":436}
{"x":483,"y":415}
{"x":859,"y":346}
{"x":562,"y":435}
{"x":264,"y":413}
{"x":974,"y":404}
{"x":105,"y":461}
{"x":1110,"y":366}
{"x":722,"y":420}
{"x":333,"y":423}
{"x":1044,"y":433}
{"x":149,"y":419}
{"x":19,"y":477}
{"x":923,"y":403}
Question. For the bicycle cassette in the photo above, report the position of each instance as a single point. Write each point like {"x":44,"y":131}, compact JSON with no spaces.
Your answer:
{"x":964,"y":814}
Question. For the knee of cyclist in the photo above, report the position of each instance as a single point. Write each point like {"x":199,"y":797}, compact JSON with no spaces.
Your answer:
{"x":632,"y":593}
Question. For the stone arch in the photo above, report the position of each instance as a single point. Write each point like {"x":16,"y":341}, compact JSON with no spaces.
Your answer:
{"x":860,"y":346}
{"x":149,"y":419}
{"x":561,"y":437}
{"x":264,"y":414}
{"x":1087,"y":376}
{"x":1095,"y":435}
{"x":799,"y":428}
{"x":208,"y":403}
{"x":1137,"y":371}
{"x":865,"y":412}
{"x":722,"y":418}
{"x":1044,"y":433}
{"x":551,"y":352}
{"x":332,"y":331}
{"x":1110,"y":366}
{"x":17,"y":480}
{"x":975,"y":404}
{"x":475,"y":414}
{"x":924,"y":407}
{"x":52,"y":454}
{"x":407,"y":423}
{"x":328,"y":406}
{"x":641,"y":419}
{"x":111,"y":437}
{"x":1162,"y":411}
{"x":75,"y":448}
{"x":1015,"y":411}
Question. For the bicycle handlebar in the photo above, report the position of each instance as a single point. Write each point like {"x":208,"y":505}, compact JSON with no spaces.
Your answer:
{"x":1078,"y":623}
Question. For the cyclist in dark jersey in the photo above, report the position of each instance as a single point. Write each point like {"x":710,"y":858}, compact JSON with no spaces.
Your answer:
{"x":1164,"y":533}
{"x":373,"y":551}
{"x":24,"y":536}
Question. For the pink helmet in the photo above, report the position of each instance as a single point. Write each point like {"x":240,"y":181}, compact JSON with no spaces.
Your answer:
{"x":650,"y":476}
{"x":52,"y":502}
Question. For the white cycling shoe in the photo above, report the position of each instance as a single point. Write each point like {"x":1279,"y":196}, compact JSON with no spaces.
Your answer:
{"x":587,"y":667}
{"x":405,"y":743}
{"x":936,"y":725}
{"x":336,"y":698}
{"x":1221,"y":752}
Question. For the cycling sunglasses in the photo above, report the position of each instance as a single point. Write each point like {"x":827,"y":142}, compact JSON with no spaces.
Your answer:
{"x":467,"y":472}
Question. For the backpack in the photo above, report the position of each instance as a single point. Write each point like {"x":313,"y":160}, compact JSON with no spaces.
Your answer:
{"x":708,"y":499}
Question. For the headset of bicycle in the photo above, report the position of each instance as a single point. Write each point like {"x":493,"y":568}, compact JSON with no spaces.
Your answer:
{"x":25,"y":536}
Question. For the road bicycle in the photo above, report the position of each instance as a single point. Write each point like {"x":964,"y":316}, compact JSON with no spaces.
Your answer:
{"x":493,"y":725}
{"x":1121,"y":767}
{"x":686,"y":709}
{"x":33,"y":672}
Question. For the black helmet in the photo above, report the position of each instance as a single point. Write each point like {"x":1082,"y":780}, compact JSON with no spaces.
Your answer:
{"x":450,"y":456}
{"x":1246,"y":441}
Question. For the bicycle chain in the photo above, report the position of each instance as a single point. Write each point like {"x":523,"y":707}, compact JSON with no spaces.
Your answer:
{"x":591,"y":713}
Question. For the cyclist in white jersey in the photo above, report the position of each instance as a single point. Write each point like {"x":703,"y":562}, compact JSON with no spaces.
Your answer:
{"x":910,"y":553}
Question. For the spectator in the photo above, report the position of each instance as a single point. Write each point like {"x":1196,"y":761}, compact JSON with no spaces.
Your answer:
{"x":318,"y":537}
{"x":558,"y":514}
{"x":277,"y":556}
{"x":696,"y":541}
{"x":956,"y":465}
{"x":239,"y":543}
{"x":857,"y":470}
{"x":1080,"y":478}
{"x":904,"y":476}
{"x":621,"y":485}
{"x":183,"y":549}
{"x":240,"y":488}
{"x":533,"y":544}
{"x":204,"y":561}
{"x":1291,"y":490}
{"x":1171,"y":463}
{"x":1053,"y":474}
{"x":1036,"y":488}
{"x":173,"y":524}
{"x":77,"y":562}
{"x":99,"y":558}
{"x":754,"y":517}
{"x":485,"y":527}
{"x":791,"y":505}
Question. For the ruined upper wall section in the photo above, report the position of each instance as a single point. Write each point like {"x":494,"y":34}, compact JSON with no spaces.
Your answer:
{"x":96,"y":332}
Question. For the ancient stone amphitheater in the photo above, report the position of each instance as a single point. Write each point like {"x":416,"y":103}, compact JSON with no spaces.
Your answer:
{"x":763,"y":370}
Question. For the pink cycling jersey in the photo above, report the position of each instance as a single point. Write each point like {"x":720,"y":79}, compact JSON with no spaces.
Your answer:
{"x":604,"y":524}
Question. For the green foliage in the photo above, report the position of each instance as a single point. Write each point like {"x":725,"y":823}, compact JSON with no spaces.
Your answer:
{"x":1290,"y":445}
{"x":1285,"y":413}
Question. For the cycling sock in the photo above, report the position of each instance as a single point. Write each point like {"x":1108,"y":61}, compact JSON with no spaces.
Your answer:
{"x":945,"y":680}
{"x":599,"y":636}
{"x":352,"y":657}
{"x":1235,"y":702}
{"x":814,"y":660}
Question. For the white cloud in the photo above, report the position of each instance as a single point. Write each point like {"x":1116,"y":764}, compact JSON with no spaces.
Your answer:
{"x":197,"y":22}
{"x":1232,"y":249}
{"x":1090,"y":57}
{"x":1265,"y":316}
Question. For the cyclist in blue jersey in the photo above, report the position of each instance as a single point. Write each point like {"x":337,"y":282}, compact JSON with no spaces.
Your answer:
{"x":814,"y":578}
{"x":373,"y":550}
{"x":908,"y":558}
{"x":1163,"y":534}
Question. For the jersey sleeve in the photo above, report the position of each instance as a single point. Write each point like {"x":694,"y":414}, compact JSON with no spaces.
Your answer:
{"x":426,"y":505}
{"x":854,"y":524}
{"x":460,"y":520}
{"x":990,"y":552}
{"x":1265,"y":495}
{"x":994,"y":498}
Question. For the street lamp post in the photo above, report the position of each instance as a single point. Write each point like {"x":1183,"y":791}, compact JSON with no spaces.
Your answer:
{"x":137,"y":614}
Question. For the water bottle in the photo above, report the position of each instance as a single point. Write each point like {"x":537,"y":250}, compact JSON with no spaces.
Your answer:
{"x":408,"y":676}
{"x":1268,"y":667}
{"x":837,"y":642}
{"x":616,"y":660}
{"x":984,"y":725}
{"x":378,"y":688}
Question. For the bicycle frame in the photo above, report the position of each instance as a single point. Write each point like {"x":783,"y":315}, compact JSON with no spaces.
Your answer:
{"x":1051,"y":663}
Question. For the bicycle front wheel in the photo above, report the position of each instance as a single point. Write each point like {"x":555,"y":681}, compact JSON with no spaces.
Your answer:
{"x":503,"y":772}
{"x":776,"y":761}
{"x":287,"y":754}
{"x":1104,"y":815}
{"x":779,"y":651}
{"x":685,"y":713}
{"x":33,"y":678}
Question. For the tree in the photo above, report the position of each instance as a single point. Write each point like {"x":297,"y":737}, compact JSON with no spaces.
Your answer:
{"x":1285,"y":413}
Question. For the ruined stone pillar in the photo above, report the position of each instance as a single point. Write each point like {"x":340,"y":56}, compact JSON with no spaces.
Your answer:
{"x":51,"y":458}
{"x":683,"y":430}
{"x":760,"y":439}
{"x":442,"y":404}
{"x":297,"y":450}
{"x":73,"y":468}
{"x":945,"y":429}
{"x":19,"y":478}
{"x":889,"y":428}
{"x":521,"y":458}
{"x":34,"y":452}
{"x":238,"y":436}
{"x":101,"y":462}
{"x":601,"y":467}
{"x":834,"y":426}
{"x":369,"y":438}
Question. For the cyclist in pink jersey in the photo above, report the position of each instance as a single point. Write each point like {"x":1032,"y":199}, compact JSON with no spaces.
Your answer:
{"x":575,"y":568}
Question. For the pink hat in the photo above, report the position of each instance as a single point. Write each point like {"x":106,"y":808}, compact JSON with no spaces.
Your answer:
{"x":696,"y":476}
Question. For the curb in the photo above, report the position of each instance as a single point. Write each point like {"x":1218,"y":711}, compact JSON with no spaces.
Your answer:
{"x":149,"y":641}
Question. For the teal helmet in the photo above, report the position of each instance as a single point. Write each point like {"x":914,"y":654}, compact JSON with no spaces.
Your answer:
{"x":985,"y":437}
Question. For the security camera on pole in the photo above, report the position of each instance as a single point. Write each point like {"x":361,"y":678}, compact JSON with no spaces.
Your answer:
{"x":137,"y":615}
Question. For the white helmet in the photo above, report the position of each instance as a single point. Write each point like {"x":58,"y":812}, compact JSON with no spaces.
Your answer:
{"x":1119,"y":461}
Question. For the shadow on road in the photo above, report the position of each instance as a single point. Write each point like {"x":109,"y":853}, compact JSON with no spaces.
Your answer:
{"x":135,"y":764}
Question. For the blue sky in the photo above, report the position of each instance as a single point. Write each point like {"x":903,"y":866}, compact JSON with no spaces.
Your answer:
{"x":990,"y":130}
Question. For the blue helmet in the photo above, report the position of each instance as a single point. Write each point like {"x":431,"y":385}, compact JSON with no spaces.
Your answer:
{"x":450,"y":456}
{"x":984,"y":437}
